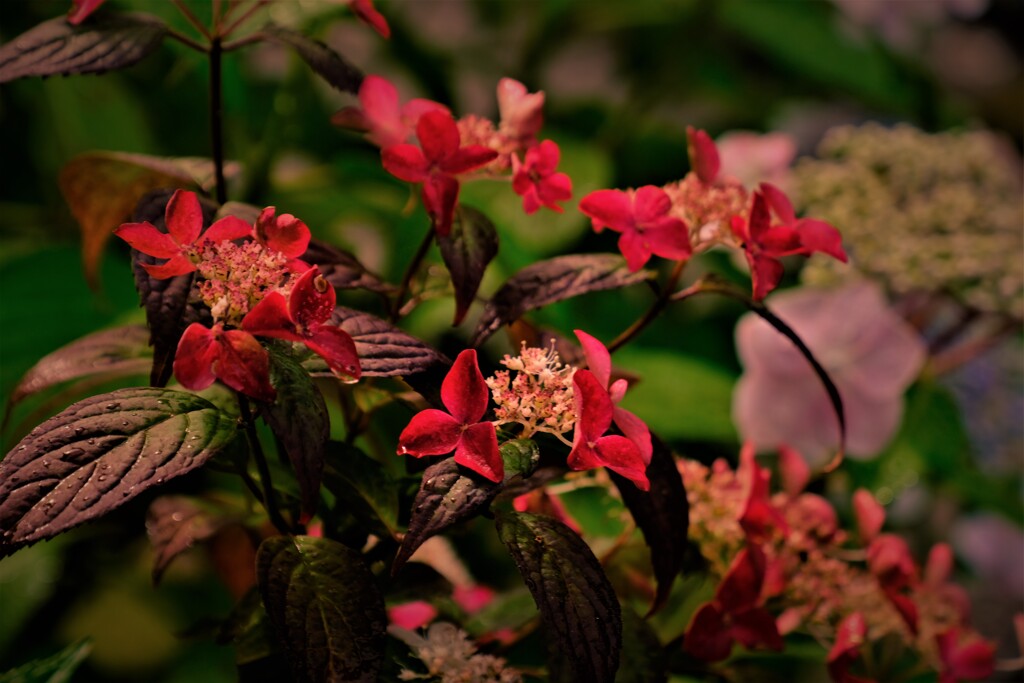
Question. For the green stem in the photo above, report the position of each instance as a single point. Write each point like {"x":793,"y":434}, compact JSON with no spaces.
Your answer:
{"x":242,"y":19}
{"x":410,"y":271}
{"x":269,"y":500}
{"x":653,"y":312}
{"x":217,"y":119}
{"x":185,"y":40}
{"x":191,"y":18}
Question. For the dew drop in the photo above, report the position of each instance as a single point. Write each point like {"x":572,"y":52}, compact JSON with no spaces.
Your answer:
{"x":113,"y":406}
{"x":102,"y":477}
{"x":73,"y":452}
{"x":46,"y":463}
{"x":79,"y":430}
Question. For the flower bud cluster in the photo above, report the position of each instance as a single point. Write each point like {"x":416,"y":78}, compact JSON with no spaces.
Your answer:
{"x":235,"y":277}
{"x":539,"y":397}
{"x":451,"y":657}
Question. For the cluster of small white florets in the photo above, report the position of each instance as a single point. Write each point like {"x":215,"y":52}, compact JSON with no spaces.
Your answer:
{"x":539,"y":397}
{"x":451,"y":656}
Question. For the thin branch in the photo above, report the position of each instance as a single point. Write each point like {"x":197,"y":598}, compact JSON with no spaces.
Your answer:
{"x":185,"y":40}
{"x":217,"y":120}
{"x":269,"y":500}
{"x":257,"y":37}
{"x":242,"y":18}
{"x":192,"y":19}
{"x":410,"y":271}
{"x":653,"y":312}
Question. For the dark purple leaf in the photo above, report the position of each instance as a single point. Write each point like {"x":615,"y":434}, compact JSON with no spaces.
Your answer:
{"x":110,"y":41}
{"x":342,"y":269}
{"x":327,"y":63}
{"x":644,"y":660}
{"x":176,"y":523}
{"x":577,"y":604}
{"x":546,"y":282}
{"x":298,"y":417}
{"x":663,"y":515}
{"x":448,"y":495}
{"x":168,"y":311}
{"x":325,"y":608}
{"x":467,"y":250}
{"x":117,"y":352}
{"x":99,"y":454}
{"x":384,"y":350}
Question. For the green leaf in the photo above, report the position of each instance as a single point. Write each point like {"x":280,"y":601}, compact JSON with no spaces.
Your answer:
{"x":577,"y":604}
{"x":547,"y":282}
{"x":363,"y":488}
{"x":298,"y":417}
{"x":446,"y":497}
{"x":100,"y":453}
{"x":679,"y":397}
{"x":116,"y":352}
{"x":466,"y":251}
{"x":643,"y":659}
{"x":327,"y":63}
{"x":520,"y":457}
{"x":106,"y":42}
{"x":53,"y":669}
{"x":663,"y":515}
{"x":324,"y":607}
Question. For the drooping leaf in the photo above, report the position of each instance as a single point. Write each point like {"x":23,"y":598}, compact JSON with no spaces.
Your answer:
{"x":327,"y":63}
{"x":663,"y":515}
{"x":363,"y":488}
{"x":644,"y":660}
{"x":553,"y":280}
{"x":298,"y":417}
{"x":117,"y":352}
{"x":168,"y":311}
{"x":174,"y":524}
{"x":107,"y":42}
{"x":448,"y":495}
{"x":56,"y":668}
{"x":324,"y":607}
{"x":577,"y":603}
{"x":247,"y":627}
{"x":384,"y":350}
{"x":342,"y":269}
{"x":99,"y":454}
{"x":466,"y":251}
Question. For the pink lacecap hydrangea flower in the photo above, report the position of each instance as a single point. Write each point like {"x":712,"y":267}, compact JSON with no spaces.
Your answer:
{"x":871,"y":354}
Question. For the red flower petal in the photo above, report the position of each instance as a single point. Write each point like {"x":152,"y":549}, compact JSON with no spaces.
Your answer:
{"x":193,"y":361}
{"x":608,"y":208}
{"x":707,"y":637}
{"x":285,"y":233}
{"x":179,"y":265}
{"x":778,"y":202}
{"x":670,"y":239}
{"x":405,"y":162}
{"x":184,"y":217}
{"x":869,"y":513}
{"x":820,"y":236}
{"x":369,"y":15}
{"x":429,"y":432}
{"x":703,"y":155}
{"x":311,"y":301}
{"x":973,"y":660}
{"x":478,"y":450}
{"x":636,"y":430}
{"x":755,"y":627}
{"x":635,"y":246}
{"x":621,"y":456}
{"x":440,"y":194}
{"x":146,"y":238}
{"x":593,"y":406}
{"x":846,"y":650}
{"x":244,"y":365}
{"x":438,"y":135}
{"x":463,"y":391}
{"x":270,"y":318}
{"x":649,"y":204}
{"x":740,"y":589}
{"x":228,"y":229}
{"x":337,"y":348}
{"x":412,"y":615}
{"x":793,"y":470}
{"x":81,"y":9}
{"x":599,"y":361}
{"x":467,"y":158}
{"x":765,"y":272}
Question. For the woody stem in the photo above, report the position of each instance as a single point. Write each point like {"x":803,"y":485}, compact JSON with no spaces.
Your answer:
{"x":217,"y":119}
{"x":269,"y":499}
{"x":664,"y":297}
{"x":410,"y":271}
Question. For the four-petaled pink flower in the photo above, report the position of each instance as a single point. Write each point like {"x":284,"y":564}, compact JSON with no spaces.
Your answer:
{"x":436,"y":165}
{"x":590,"y":447}
{"x":599,"y":362}
{"x":536,"y":180}
{"x":232,"y":356}
{"x":964,"y":657}
{"x":520,"y":110}
{"x":435,"y":432}
{"x":182,"y":241}
{"x":642,"y":216}
{"x":80,"y":9}
{"x":301,"y":318}
{"x":385,"y":121}
{"x":735,"y":613}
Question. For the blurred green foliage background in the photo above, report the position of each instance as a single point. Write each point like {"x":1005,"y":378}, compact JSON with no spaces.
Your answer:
{"x":623,"y":79}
